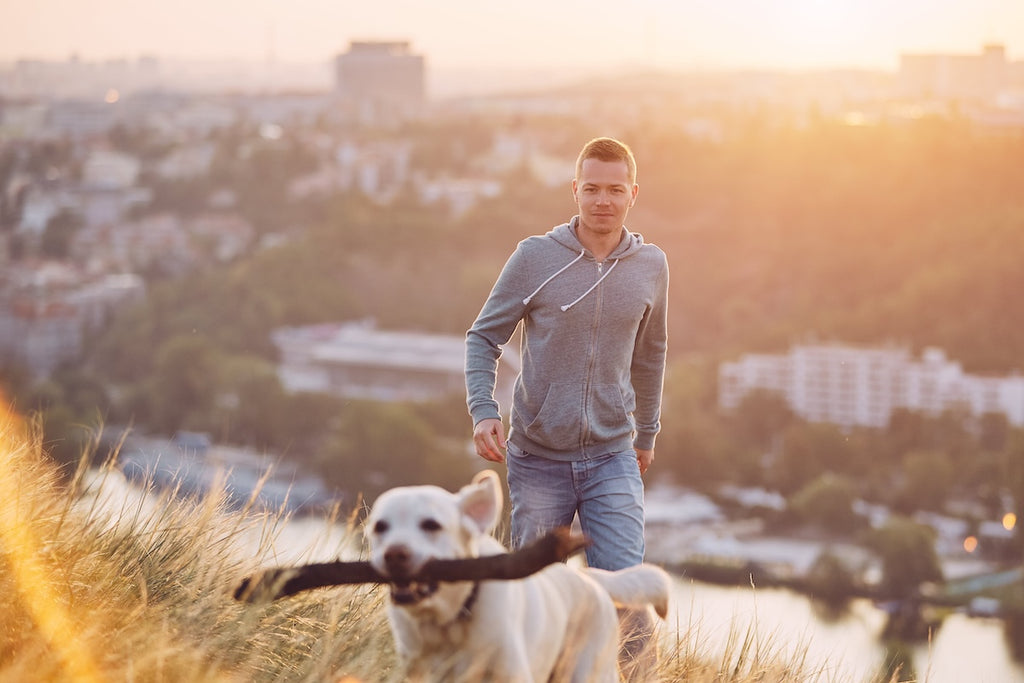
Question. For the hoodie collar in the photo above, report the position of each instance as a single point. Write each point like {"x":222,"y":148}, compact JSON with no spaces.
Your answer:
{"x":565,"y":234}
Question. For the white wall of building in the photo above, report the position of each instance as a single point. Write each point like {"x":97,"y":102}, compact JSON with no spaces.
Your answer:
{"x":861,"y":386}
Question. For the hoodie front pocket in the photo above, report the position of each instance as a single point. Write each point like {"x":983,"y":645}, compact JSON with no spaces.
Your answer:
{"x":565,"y":421}
{"x":557,"y":422}
{"x":606,"y":414}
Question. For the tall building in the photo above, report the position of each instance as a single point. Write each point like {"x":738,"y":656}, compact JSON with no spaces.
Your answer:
{"x":856,"y":386}
{"x":956,"y":76}
{"x":380,"y":78}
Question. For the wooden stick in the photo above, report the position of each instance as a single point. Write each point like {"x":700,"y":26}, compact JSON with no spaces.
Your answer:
{"x":279,"y":582}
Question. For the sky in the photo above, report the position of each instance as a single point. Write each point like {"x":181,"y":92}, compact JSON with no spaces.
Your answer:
{"x":485,"y":34}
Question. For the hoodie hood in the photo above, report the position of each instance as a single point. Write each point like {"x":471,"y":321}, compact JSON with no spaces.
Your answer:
{"x":565,"y":234}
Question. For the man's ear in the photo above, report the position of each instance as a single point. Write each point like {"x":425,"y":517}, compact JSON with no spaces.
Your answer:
{"x":481,"y":501}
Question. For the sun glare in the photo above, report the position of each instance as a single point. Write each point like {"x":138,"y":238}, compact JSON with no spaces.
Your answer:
{"x":818,"y":28}
{"x":22,"y":550}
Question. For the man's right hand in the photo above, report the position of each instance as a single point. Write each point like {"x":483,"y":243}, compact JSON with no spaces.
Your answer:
{"x":489,"y":439}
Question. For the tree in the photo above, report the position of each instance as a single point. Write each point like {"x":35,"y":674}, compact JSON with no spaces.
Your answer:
{"x":808,"y":451}
{"x":829,"y":580}
{"x":928,"y":480}
{"x":376,"y":446}
{"x":827,"y":503}
{"x":994,"y":431}
{"x":185,"y":384}
{"x":251,"y":403}
{"x":761,"y":416}
{"x":907,"y":552}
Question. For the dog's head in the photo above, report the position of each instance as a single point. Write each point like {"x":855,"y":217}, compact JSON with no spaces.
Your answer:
{"x":410,"y":525}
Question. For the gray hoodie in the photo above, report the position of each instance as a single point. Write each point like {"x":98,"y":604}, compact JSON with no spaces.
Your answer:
{"x":593,"y":345}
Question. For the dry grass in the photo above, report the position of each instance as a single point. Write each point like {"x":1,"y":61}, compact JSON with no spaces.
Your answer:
{"x":139,"y":588}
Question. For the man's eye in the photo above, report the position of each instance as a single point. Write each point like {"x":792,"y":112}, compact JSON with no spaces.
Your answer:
{"x":380,"y":527}
{"x":430,"y":524}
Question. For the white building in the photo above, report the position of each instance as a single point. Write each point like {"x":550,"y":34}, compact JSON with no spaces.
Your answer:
{"x":104,"y":169}
{"x":850,"y":385}
{"x":356,"y":360}
{"x":981,"y":76}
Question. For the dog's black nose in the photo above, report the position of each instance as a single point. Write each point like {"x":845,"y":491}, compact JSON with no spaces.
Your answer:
{"x":398,"y":561}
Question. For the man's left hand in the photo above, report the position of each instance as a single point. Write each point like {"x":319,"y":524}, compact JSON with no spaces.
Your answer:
{"x":644,"y":458}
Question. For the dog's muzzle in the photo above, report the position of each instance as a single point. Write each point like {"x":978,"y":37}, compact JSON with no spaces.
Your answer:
{"x":398,"y":562}
{"x":407,"y":593}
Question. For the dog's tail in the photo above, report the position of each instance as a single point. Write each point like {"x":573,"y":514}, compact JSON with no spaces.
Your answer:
{"x":636,"y":587}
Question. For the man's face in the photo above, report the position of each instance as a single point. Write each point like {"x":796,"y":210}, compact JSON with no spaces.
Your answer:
{"x":604,"y":195}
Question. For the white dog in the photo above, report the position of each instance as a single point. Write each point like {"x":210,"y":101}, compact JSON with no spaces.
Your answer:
{"x":560,"y":624}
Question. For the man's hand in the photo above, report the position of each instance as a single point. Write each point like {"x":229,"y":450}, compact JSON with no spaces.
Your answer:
{"x":489,"y":439}
{"x":644,"y":459}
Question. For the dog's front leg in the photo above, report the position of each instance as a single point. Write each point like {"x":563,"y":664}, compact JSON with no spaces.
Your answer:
{"x":513,"y":663}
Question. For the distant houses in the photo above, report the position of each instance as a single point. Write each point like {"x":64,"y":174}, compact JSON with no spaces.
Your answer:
{"x":46,"y":311}
{"x":861,"y":386}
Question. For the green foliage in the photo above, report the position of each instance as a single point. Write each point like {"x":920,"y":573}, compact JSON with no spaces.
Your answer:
{"x":907,"y":551}
{"x":829,"y":580}
{"x":184,"y":385}
{"x":928,"y":481}
{"x":375,"y":446}
{"x":761,"y":417}
{"x":827,"y":503}
{"x":808,"y":451}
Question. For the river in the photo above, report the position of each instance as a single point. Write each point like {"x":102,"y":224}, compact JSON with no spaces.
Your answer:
{"x":846,"y":647}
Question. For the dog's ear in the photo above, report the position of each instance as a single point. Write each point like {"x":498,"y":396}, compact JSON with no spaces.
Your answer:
{"x":481,"y":501}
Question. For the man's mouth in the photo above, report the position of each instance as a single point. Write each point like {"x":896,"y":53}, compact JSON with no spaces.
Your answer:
{"x":407,"y":593}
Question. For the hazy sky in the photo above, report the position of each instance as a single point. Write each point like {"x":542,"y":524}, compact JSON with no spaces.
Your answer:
{"x":526,"y":33}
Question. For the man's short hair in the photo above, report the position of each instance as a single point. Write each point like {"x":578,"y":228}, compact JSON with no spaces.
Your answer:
{"x":607,"y":149}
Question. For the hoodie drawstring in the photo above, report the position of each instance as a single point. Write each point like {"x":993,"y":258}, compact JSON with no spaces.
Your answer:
{"x":560,"y":271}
{"x":566,"y":307}
{"x":608,"y":272}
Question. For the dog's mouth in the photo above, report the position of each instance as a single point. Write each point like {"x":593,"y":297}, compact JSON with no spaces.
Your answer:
{"x":408,"y":593}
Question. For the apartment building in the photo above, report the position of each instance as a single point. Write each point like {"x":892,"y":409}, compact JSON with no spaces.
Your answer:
{"x":861,"y":386}
{"x":979,"y":76}
{"x":356,"y":360}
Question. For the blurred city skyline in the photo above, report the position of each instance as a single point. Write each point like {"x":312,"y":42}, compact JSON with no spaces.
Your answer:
{"x":701,"y":34}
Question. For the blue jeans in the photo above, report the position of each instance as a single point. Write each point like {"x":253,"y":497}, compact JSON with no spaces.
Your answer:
{"x":606,"y":491}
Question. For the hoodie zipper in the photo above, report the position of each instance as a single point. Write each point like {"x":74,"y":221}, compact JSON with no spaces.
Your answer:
{"x":591,"y":358}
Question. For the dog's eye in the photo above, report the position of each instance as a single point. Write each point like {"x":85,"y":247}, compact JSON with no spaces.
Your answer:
{"x":430,"y":524}
{"x":380,"y":527}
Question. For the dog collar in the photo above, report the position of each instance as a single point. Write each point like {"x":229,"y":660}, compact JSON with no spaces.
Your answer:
{"x":466,"y":611}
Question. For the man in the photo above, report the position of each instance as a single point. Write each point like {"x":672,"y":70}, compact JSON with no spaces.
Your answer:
{"x":592,"y":298}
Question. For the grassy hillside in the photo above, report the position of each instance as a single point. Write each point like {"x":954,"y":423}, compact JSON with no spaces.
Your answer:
{"x":99,"y":585}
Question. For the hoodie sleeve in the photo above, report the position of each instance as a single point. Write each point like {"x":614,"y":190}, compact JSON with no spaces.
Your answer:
{"x":648,"y":367}
{"x":493,"y":328}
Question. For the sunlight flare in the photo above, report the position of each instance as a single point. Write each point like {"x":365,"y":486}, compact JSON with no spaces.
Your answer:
{"x":22,"y":554}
